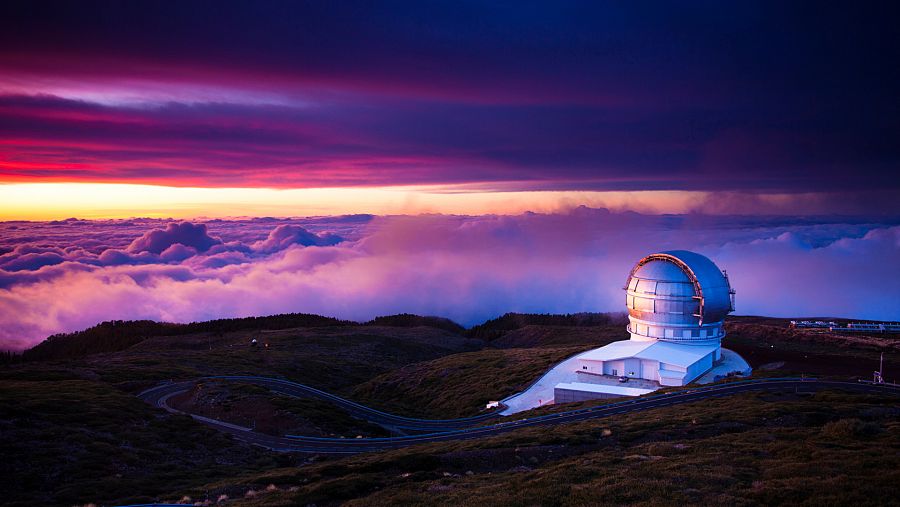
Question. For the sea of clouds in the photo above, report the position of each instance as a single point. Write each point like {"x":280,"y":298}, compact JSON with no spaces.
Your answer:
{"x":66,"y":275}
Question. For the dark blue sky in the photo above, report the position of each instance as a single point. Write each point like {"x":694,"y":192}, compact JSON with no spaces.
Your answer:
{"x":740,"y":96}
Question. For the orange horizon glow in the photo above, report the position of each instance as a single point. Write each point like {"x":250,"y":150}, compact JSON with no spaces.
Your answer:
{"x":49,"y":201}
{"x":53,"y":201}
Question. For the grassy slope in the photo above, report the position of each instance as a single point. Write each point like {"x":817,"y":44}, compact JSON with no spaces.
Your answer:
{"x":830,"y":448}
{"x":82,"y":414}
{"x":460,"y":384}
{"x":764,"y":341}
{"x":332,"y":358}
{"x":112,"y":336}
{"x":258,"y":408}
{"x":539,"y":336}
{"x":70,"y":441}
{"x":73,"y":431}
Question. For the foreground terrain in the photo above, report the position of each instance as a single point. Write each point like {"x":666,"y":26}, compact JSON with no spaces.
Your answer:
{"x":74,"y":432}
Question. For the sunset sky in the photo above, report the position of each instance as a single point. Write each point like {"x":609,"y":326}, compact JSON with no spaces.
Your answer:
{"x":417,"y":106}
{"x":192,"y":160}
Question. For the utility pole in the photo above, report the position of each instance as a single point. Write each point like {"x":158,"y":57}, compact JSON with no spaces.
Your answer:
{"x":878,"y":377}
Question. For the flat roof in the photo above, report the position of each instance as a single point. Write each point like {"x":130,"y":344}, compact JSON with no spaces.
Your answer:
{"x":666,"y":352}
{"x":616,"y":350}
{"x":603,"y":388}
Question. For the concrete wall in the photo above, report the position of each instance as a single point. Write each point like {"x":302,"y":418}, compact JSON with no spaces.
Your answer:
{"x":665,"y":380}
{"x":671,"y":367}
{"x":570,"y":396}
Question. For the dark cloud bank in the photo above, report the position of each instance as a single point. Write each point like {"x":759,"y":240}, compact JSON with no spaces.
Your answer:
{"x":761,"y":96}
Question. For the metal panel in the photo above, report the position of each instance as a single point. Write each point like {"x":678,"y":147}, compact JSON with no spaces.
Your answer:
{"x":681,"y":289}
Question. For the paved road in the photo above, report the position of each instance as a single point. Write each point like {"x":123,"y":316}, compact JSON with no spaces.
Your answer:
{"x":474,"y":427}
{"x":160,"y":394}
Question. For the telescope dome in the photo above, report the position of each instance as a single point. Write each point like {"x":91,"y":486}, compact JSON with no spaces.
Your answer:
{"x":678,"y":296}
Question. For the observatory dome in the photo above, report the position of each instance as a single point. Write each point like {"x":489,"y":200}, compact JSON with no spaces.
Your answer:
{"x":678,"y":296}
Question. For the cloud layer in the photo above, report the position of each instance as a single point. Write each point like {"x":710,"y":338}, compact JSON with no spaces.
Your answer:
{"x":64,"y":276}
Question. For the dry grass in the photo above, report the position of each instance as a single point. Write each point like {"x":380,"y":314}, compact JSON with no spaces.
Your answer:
{"x":745,"y":450}
{"x":460,"y":384}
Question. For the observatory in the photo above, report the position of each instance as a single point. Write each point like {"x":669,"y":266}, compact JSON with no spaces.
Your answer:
{"x":677,"y":302}
{"x":678,"y":297}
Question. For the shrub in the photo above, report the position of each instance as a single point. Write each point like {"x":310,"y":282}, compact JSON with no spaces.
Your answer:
{"x":850,"y":428}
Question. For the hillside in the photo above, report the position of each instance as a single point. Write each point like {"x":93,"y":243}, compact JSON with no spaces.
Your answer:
{"x":329,"y":357}
{"x":73,"y":432}
{"x":495,"y":328}
{"x":826,"y":449}
{"x":769,"y":345}
{"x":118,"y":335}
{"x":67,"y":442}
{"x":458,"y":385}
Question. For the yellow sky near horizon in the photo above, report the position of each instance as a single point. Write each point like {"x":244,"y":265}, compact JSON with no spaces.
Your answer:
{"x":54,"y":201}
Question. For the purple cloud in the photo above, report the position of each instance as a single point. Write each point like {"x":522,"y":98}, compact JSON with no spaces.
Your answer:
{"x":114,"y":257}
{"x":32,"y":261}
{"x":466,"y":268}
{"x":185,"y":233}
{"x":284,"y":236}
{"x":177,"y":252}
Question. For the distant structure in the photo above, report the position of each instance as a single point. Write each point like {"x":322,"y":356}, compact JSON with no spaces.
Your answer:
{"x":851,"y":327}
{"x":677,"y":302}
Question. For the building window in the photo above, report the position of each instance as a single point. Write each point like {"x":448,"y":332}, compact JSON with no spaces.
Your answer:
{"x":583,"y":367}
{"x":643,"y":304}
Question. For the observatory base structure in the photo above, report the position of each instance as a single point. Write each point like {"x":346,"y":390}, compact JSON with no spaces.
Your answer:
{"x":668,"y":364}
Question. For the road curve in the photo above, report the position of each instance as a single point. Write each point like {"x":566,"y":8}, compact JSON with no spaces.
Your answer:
{"x":161,"y":393}
{"x":468,"y":428}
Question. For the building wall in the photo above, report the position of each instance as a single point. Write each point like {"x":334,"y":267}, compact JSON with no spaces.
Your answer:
{"x":671,"y":367}
{"x":650,"y":369}
{"x":631,"y":367}
{"x":701,"y":366}
{"x":590,"y":366}
{"x":669,"y":381}
{"x":570,"y":396}
{"x":613,"y":367}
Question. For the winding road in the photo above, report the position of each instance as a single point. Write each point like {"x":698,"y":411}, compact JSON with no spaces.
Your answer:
{"x":441,"y":430}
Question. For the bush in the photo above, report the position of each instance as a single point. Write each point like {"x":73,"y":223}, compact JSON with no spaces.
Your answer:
{"x":850,"y":428}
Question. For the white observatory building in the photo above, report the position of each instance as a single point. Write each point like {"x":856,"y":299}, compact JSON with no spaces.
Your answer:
{"x":677,"y":302}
